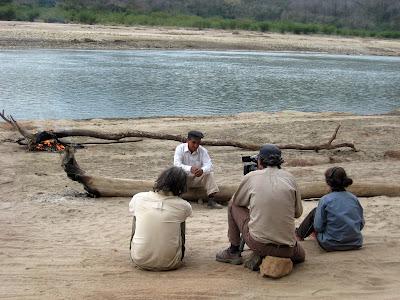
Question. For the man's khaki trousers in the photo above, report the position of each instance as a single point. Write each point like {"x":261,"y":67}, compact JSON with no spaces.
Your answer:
{"x":206,"y":181}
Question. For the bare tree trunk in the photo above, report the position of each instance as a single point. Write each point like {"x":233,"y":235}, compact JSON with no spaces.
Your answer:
{"x":40,"y":136}
{"x":115,"y":187}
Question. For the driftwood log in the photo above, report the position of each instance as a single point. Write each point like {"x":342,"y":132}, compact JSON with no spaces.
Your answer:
{"x":98,"y":186}
{"x":35,"y":138}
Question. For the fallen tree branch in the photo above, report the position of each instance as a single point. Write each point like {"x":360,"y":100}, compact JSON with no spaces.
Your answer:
{"x":180,"y":138}
{"x":104,"y":143}
{"x":21,"y":130}
{"x":30,"y":138}
{"x":23,"y":142}
{"x":40,"y":136}
{"x":3,"y":116}
{"x":83,"y":144}
{"x":115,"y":187}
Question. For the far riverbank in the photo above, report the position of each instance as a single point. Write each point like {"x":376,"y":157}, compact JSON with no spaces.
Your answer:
{"x":21,"y":35}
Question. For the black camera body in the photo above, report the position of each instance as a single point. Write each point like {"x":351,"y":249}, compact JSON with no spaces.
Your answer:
{"x":249,"y":163}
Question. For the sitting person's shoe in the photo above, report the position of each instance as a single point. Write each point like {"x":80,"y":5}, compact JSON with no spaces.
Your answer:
{"x":213,"y":204}
{"x":227,"y":256}
{"x":253,"y":262}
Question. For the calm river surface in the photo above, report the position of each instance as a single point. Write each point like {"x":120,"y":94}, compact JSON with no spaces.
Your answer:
{"x":79,"y":84}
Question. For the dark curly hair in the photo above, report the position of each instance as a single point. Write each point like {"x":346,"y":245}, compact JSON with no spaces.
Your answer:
{"x":172,"y":180}
{"x":337,"y":179}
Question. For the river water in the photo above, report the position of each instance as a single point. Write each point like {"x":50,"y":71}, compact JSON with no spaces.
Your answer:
{"x":80,"y":84}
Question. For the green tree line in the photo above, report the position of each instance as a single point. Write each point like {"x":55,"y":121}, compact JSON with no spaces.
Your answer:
{"x":377,"y":18}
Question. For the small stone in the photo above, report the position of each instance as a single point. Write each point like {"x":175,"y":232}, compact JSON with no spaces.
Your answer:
{"x":276,"y":267}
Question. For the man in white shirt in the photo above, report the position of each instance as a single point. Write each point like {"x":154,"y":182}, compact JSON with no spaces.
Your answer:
{"x":195,"y":161}
{"x":158,"y":228}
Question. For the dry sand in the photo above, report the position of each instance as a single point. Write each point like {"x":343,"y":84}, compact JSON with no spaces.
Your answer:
{"x":45,"y":35}
{"x":55,"y":243}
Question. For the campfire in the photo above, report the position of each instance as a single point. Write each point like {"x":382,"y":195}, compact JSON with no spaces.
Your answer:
{"x":49,"y":145}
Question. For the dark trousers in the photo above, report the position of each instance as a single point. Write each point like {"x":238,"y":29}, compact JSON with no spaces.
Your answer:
{"x":307,"y":226}
{"x":238,"y":222}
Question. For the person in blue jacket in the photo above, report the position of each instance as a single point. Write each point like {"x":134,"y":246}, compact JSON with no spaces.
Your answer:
{"x":338,"y":219}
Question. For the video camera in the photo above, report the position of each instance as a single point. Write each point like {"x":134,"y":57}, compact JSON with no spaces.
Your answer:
{"x":249,"y":163}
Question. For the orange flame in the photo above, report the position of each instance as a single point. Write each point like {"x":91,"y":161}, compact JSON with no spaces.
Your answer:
{"x":49,"y":145}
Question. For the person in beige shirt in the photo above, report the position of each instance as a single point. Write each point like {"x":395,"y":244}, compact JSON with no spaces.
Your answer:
{"x":263,"y":212}
{"x":158,"y":230}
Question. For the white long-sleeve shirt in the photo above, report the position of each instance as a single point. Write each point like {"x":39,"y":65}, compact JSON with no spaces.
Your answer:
{"x":199,"y":158}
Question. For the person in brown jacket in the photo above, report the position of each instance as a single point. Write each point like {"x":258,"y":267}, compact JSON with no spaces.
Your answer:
{"x":263,"y":212}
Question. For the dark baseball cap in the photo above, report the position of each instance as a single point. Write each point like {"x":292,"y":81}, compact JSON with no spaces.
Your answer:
{"x":269,"y":151}
{"x":194,"y":134}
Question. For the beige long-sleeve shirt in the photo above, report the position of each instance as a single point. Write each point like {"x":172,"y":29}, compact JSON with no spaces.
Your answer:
{"x":157,"y":243}
{"x":274,"y":201}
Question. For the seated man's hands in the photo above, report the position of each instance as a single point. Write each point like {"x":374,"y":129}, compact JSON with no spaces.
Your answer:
{"x":196,"y":171}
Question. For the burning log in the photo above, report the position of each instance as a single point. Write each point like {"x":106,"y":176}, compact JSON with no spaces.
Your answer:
{"x":40,"y":136}
{"x":116,"y":187}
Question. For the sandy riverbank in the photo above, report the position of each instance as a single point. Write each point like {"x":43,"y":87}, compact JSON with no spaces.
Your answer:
{"x":76,"y":36}
{"x":55,"y":243}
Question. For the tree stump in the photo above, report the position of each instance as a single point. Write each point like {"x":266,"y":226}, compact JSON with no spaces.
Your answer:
{"x":276,"y":267}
